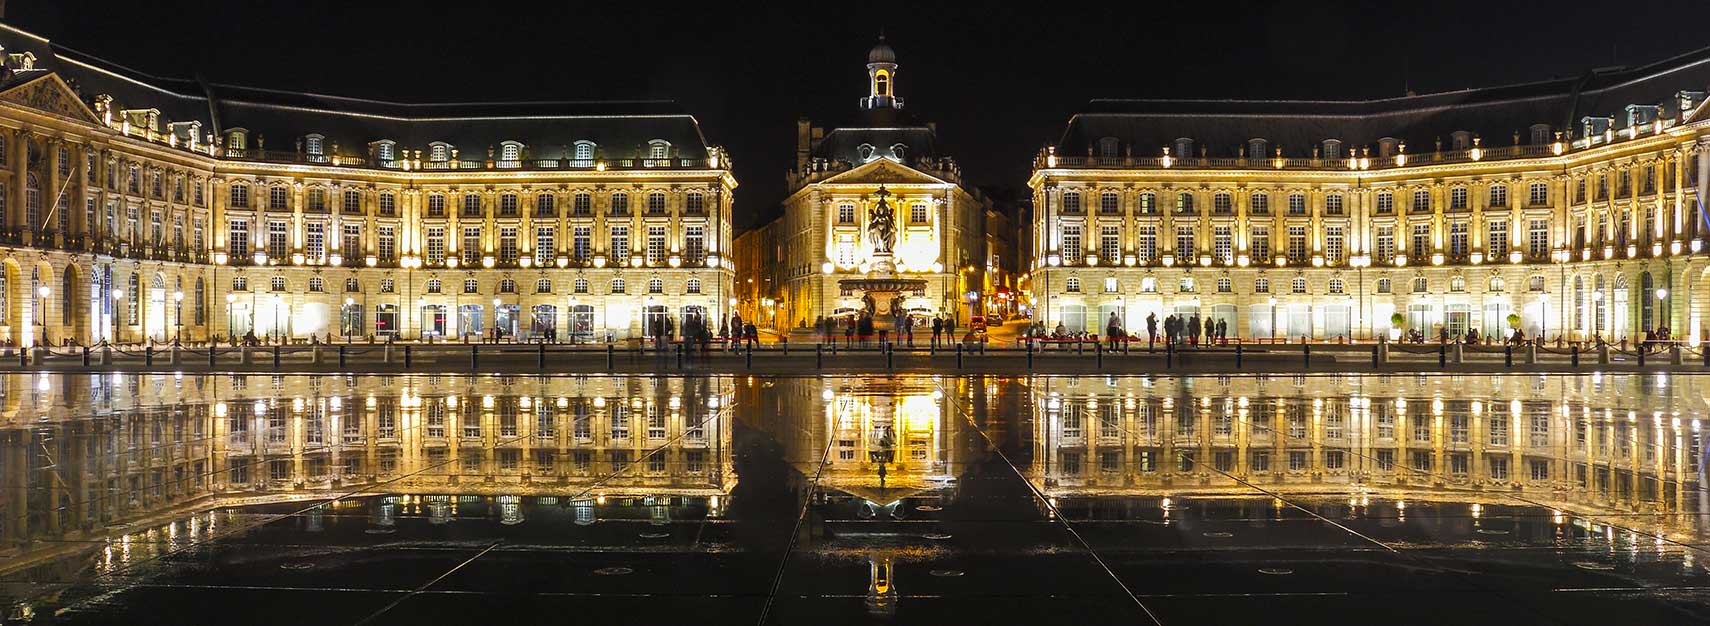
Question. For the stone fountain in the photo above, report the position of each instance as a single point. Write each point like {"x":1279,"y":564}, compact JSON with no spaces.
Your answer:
{"x":882,"y":289}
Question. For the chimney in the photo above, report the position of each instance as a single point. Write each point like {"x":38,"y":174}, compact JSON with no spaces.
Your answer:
{"x":804,"y":145}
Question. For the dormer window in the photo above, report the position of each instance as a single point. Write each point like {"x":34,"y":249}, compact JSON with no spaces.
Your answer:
{"x":1688,"y":100}
{"x":1107,"y":146}
{"x":1184,"y":147}
{"x":313,"y":144}
{"x":882,"y":84}
{"x":659,"y":149}
{"x":1386,"y":147}
{"x":1540,"y":134}
{"x":385,"y":151}
{"x":1460,"y":140}
{"x":899,"y":151}
{"x":237,"y":140}
{"x":510,"y":151}
{"x":583,"y":151}
{"x":865,"y":151}
{"x":1257,"y":147}
{"x":1332,"y":148}
{"x":439,"y":152}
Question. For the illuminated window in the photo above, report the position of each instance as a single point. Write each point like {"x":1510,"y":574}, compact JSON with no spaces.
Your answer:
{"x":471,"y":286}
{"x":1072,"y":285}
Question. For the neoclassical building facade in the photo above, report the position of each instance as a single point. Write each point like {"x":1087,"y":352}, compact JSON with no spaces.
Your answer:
{"x":842,"y":176}
{"x":138,"y":207}
{"x":1570,"y":203}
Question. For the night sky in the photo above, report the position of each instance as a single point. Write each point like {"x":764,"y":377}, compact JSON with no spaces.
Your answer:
{"x":1000,"y":81}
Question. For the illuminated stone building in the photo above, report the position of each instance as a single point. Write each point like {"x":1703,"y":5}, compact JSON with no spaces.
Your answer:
{"x":841,"y":178}
{"x":139,"y":207}
{"x":1572,"y":203}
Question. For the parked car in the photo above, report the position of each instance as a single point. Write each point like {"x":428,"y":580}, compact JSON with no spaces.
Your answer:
{"x":977,"y":323}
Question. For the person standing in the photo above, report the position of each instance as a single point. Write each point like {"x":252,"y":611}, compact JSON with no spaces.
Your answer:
{"x":1151,"y":330}
{"x":937,"y":330}
{"x":950,"y":328}
{"x":1223,"y":332}
{"x":1112,"y":330}
{"x":1193,"y":329}
{"x":1210,"y":331}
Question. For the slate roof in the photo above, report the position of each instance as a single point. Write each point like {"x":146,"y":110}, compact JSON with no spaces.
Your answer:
{"x":621,"y":128}
{"x":1493,"y":113}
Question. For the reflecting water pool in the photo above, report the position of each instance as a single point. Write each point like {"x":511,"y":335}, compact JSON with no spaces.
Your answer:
{"x":1498,"y":499}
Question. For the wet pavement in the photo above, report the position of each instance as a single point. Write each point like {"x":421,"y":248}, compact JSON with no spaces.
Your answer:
{"x":206,"y":499}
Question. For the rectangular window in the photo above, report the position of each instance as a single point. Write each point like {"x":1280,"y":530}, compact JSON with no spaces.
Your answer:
{"x":1261,"y":204}
{"x":655,"y":245}
{"x":620,"y":245}
{"x":352,"y":240}
{"x":1496,"y":239}
{"x":845,"y":250}
{"x":581,"y":243}
{"x":1148,"y":244}
{"x":508,"y":244}
{"x":543,"y":205}
{"x":317,"y":200}
{"x":388,"y":244}
{"x":1538,"y":238}
{"x":507,"y":205}
{"x":278,"y":245}
{"x":1184,"y":241}
{"x":240,"y":196}
{"x":435,"y":245}
{"x":471,"y":205}
{"x":1421,"y":201}
{"x":1458,"y":198}
{"x":1421,"y":240}
{"x":1540,"y":194}
{"x":917,"y":214}
{"x":388,"y":204}
{"x":1385,"y":243}
{"x":1333,"y":245}
{"x":1499,"y":196}
{"x":471,"y":245}
{"x":1333,"y":204}
{"x":436,"y":205}
{"x":237,"y":237}
{"x":1071,"y":243}
{"x":1297,"y":204}
{"x":1223,"y":243}
{"x":1458,"y":239}
{"x":277,"y":200}
{"x":846,"y":214}
{"x":694,"y":244}
{"x":1385,"y":203}
{"x":1297,"y":244}
{"x":582,"y":204}
{"x":314,"y":242}
{"x":1110,"y":244}
{"x":1259,"y":242}
{"x":545,"y":244}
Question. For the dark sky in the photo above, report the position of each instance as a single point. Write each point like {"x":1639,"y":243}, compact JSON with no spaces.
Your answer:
{"x":1000,"y":80}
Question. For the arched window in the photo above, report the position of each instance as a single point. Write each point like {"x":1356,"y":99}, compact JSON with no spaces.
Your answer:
{"x":1535,"y":283}
{"x":658,"y":149}
{"x":693,"y":286}
{"x":239,"y":283}
{"x":1148,"y":284}
{"x":1457,"y":283}
{"x":1109,"y":202}
{"x":1337,"y":286}
{"x":1072,"y":285}
{"x":433,"y":285}
{"x":1496,"y":283}
{"x":655,"y":285}
{"x":656,"y":202}
{"x":581,"y":285}
{"x":1184,"y":147}
{"x":510,"y":151}
{"x":1420,"y":285}
{"x":201,"y":302}
{"x":882,"y":84}
{"x":507,"y":286}
{"x":1224,"y":285}
{"x":439,"y":152}
{"x":316,"y":284}
{"x":1261,"y":285}
{"x":240,"y":196}
{"x":543,"y":286}
{"x":1071,"y":202}
{"x":277,"y":283}
{"x":351,"y":285}
{"x":1332,"y":149}
{"x":617,"y":285}
{"x":471,"y":285}
{"x":32,"y":204}
{"x":387,"y":286}
{"x":313,"y":144}
{"x":1257,"y":148}
{"x":1383,"y":285}
{"x":1297,"y":285}
{"x":1186,"y":285}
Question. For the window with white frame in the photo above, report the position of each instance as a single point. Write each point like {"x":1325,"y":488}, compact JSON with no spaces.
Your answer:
{"x":1071,"y":243}
{"x":846,"y":214}
{"x":471,"y":285}
{"x":1496,"y":238}
{"x":435,"y":245}
{"x":917,"y":214}
{"x":1185,"y":241}
{"x":1297,"y":204}
{"x":1259,"y":244}
{"x":314,"y":244}
{"x":1223,"y":243}
{"x":581,"y":242}
{"x":1296,"y":244}
{"x":1259,"y":203}
{"x":617,"y":285}
{"x":1337,"y":285}
{"x":619,"y":244}
{"x":386,"y":247}
{"x":1421,"y":201}
{"x":1538,"y":238}
{"x":655,"y":245}
{"x":352,"y":245}
{"x":656,"y":202}
{"x":580,"y":285}
{"x":1072,"y":285}
{"x":1224,"y":285}
{"x":471,"y":245}
{"x":1297,"y":285}
{"x":1457,"y":198}
{"x":1421,"y":240}
{"x":507,"y":244}
{"x":1539,"y":194}
{"x":1385,"y":202}
{"x":1110,"y":284}
{"x":694,"y":244}
{"x":1458,"y":239}
{"x":1333,"y":204}
{"x":1147,"y":246}
{"x":655,"y":285}
{"x":1383,"y":285}
{"x":278,"y":239}
{"x":237,"y":237}
{"x":1334,"y":244}
{"x":1498,"y":195}
{"x":545,"y":244}
{"x":1110,"y":244}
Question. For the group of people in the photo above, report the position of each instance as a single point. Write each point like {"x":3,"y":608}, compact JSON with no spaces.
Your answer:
{"x":860,"y":328}
{"x":1180,"y":330}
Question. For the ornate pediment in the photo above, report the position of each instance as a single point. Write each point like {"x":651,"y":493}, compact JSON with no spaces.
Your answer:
{"x":48,"y":93}
{"x":884,"y":172}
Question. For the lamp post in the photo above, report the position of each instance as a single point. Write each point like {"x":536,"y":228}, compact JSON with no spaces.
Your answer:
{"x":1273,"y":301}
{"x":231,"y":330}
{"x":178,"y":308}
{"x":41,"y":312}
{"x":1662,"y":317}
{"x":346,"y":319}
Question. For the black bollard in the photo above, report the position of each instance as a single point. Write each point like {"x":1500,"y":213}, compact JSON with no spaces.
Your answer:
{"x":1575,"y":353}
{"x":276,"y":356}
{"x":1306,"y":353}
{"x":1030,"y":354}
{"x":540,"y":357}
{"x":958,"y":356}
{"x":406,"y":357}
{"x":1078,"y":345}
{"x":1098,"y":354}
{"x":889,"y":352}
{"x":679,"y":356}
{"x":474,"y":356}
{"x":1169,"y":355}
{"x":609,"y":357}
{"x":148,"y":356}
{"x":1641,"y":355}
{"x":1237,"y":356}
{"x":1508,"y":355}
{"x":340,"y":356}
{"x":211,"y":349}
{"x":750,"y":356}
{"x":86,"y":356}
{"x":1374,"y":356}
{"x":1442,"y":355}
{"x":819,"y":356}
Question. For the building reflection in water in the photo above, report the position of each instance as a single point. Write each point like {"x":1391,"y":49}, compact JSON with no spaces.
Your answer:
{"x":151,"y":464}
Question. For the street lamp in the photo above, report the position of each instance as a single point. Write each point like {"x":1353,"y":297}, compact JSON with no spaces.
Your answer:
{"x":178,"y":306}
{"x":41,"y":311}
{"x":345,"y":315}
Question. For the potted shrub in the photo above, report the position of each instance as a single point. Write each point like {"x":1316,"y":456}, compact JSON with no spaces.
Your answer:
{"x":1397,"y":322}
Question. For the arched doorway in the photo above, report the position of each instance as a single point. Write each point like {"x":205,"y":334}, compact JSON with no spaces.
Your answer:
{"x":11,"y":315}
{"x":74,"y":300}
{"x":154,"y":319}
{"x":40,"y":327}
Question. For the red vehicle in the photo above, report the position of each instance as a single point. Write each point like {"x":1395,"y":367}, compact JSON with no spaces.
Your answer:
{"x":977,"y":323}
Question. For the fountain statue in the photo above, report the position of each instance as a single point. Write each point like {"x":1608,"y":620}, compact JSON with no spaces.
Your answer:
{"x":882,"y":290}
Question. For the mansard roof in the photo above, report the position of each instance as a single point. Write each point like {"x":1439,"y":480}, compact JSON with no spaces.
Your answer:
{"x":1494,"y":113}
{"x":621,"y":128}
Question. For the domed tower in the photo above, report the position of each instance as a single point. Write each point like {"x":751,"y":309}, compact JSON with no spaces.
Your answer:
{"x":881,"y":78}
